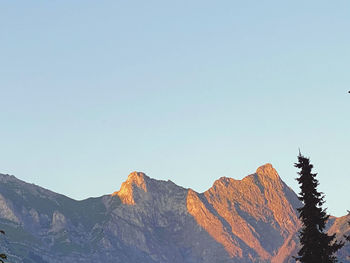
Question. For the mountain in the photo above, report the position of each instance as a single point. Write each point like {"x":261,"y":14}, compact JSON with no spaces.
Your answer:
{"x":154,"y":221}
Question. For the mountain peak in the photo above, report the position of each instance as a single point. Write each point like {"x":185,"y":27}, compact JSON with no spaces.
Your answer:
{"x":223,"y":181}
{"x":126,"y":192}
{"x":264,"y":171}
{"x":268,"y":171}
{"x":137,"y":177}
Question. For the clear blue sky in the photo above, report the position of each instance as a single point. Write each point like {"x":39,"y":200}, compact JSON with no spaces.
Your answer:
{"x":183,"y":90}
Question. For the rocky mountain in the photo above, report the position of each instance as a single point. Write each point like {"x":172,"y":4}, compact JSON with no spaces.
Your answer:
{"x":153,"y":221}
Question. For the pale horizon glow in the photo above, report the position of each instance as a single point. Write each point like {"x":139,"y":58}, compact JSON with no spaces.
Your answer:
{"x":186,"y":91}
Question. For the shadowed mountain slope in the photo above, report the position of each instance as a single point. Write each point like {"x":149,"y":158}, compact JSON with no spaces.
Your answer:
{"x":153,"y":221}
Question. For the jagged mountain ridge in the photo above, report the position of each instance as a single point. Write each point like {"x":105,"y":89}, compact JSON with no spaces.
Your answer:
{"x":148,"y":220}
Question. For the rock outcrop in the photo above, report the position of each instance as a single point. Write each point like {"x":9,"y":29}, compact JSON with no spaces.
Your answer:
{"x":131,"y":187}
{"x":256,"y":213}
{"x":153,"y":221}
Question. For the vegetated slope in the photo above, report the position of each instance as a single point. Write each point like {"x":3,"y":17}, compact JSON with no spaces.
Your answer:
{"x":153,"y":221}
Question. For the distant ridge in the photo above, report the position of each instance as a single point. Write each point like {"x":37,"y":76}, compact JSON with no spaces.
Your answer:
{"x":154,"y":221}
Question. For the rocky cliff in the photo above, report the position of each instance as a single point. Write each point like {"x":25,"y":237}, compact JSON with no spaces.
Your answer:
{"x":153,"y":221}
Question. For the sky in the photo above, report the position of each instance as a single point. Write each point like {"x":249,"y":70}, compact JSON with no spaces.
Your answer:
{"x":188,"y":91}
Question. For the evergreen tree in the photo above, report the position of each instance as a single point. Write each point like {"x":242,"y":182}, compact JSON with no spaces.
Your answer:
{"x":316,"y":245}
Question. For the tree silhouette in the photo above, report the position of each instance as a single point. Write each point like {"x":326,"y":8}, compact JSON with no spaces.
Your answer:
{"x":316,"y":245}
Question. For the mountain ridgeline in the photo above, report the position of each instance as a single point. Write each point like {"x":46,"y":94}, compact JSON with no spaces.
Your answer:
{"x":153,"y":221}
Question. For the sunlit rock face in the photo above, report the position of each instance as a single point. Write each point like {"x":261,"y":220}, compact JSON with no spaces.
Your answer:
{"x":136,"y":181}
{"x":251,"y":218}
{"x":154,"y":221}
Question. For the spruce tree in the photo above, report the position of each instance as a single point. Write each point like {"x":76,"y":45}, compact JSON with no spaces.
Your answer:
{"x":316,"y":245}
